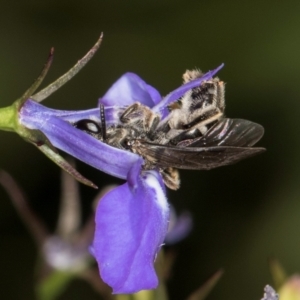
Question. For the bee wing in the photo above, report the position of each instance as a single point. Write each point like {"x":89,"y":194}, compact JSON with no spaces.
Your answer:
{"x":230,"y":132}
{"x":193,"y":158}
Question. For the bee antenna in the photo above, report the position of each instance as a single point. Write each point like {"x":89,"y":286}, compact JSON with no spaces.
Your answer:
{"x":102,"y":121}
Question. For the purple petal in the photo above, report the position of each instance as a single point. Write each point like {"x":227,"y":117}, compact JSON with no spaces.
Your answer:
{"x":161,"y":107}
{"x":76,"y":142}
{"x":179,"y":227}
{"x":131,"y":224}
{"x":112,"y":113}
{"x":128,"y":89}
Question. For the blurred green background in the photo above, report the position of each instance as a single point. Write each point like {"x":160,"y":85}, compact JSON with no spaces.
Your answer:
{"x":243,"y":214}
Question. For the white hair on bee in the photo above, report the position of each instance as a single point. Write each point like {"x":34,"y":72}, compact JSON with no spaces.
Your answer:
{"x":190,"y":75}
{"x":190,"y":137}
{"x":199,"y":107}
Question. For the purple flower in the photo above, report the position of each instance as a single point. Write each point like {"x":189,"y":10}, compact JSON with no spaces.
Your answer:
{"x":132,"y":219}
{"x":179,"y":228}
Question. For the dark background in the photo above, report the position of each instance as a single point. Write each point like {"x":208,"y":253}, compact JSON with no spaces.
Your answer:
{"x":243,"y":214}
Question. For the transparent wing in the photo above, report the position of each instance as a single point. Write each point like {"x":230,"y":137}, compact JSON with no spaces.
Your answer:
{"x":229,"y":132}
{"x":193,"y":158}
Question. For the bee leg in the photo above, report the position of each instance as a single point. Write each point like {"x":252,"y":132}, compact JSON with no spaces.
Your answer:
{"x":171,"y":178}
{"x":142,"y":116}
{"x":117,"y":138}
{"x":221,"y":96}
{"x":186,"y":135}
{"x":127,"y":116}
{"x":152,"y":123}
{"x":211,"y":117}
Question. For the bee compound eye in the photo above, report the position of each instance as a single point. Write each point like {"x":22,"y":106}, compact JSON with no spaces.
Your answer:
{"x":88,"y":126}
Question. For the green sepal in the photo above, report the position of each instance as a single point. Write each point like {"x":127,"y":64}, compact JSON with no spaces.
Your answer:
{"x":142,"y":295}
{"x":37,"y":82}
{"x":57,"y":84}
{"x":9,"y":116}
{"x":277,"y":272}
{"x":204,"y":290}
{"x":54,"y":285}
{"x":62,"y":163}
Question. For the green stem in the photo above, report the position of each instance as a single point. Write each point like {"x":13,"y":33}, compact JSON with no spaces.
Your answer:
{"x":8,"y":118}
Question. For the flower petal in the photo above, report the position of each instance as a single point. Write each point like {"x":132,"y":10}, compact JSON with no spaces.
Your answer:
{"x":131,"y":224}
{"x":112,"y":113}
{"x":76,"y":142}
{"x":179,"y":227}
{"x":161,"y":107}
{"x":128,"y":89}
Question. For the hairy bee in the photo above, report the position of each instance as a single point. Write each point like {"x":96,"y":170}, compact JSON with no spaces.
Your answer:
{"x":195,"y":135}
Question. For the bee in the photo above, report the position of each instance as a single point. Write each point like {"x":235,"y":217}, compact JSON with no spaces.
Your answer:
{"x":195,"y":135}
